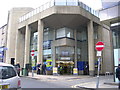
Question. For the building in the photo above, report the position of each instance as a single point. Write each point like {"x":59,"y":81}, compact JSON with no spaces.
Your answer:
{"x":61,"y":33}
{"x":13,"y":18}
{"x":3,"y":42}
{"x":110,"y":15}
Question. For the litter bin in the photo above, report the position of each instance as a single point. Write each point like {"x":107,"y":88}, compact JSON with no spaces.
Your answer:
{"x":25,"y":72}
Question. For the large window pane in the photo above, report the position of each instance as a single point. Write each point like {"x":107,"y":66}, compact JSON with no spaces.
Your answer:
{"x":60,"y":33}
{"x":69,"y":33}
{"x":72,"y":2}
{"x":60,"y":2}
{"x":65,"y":53}
{"x":64,"y":32}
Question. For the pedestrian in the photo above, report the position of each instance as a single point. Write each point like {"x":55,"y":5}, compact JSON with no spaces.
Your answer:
{"x":86,"y":69}
{"x":118,"y":74}
{"x":38,"y":68}
{"x":60,"y":69}
{"x":18,"y":68}
{"x":44,"y":69}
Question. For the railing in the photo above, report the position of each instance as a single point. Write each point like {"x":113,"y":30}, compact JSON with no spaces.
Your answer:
{"x":58,"y":3}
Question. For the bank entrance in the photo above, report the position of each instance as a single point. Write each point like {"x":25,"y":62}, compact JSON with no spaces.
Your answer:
{"x":65,"y":59}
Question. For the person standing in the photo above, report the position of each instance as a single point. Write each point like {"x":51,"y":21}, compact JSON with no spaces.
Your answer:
{"x":118,"y":74}
{"x":44,"y":69}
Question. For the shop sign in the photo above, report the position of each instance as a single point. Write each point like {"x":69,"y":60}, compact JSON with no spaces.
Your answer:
{"x":65,"y":58}
{"x":75,"y":71}
{"x":33,"y":62}
{"x":47,"y":44}
{"x":55,"y":69}
{"x":49,"y":64}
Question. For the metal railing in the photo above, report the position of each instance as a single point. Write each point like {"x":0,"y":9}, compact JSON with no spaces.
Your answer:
{"x":58,"y":3}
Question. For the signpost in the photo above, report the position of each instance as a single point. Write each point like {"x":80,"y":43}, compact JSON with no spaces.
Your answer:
{"x":99,"y":47}
{"x":33,"y":61}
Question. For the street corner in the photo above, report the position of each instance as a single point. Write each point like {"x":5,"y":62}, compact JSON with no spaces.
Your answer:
{"x":82,"y":88}
{"x":87,"y":85}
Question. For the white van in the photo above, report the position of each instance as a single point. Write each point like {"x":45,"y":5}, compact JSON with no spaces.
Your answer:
{"x":9,"y":77}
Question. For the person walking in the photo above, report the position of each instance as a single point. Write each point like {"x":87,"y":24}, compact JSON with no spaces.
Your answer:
{"x":60,"y":69}
{"x":18,"y":68}
{"x":44,"y":69}
{"x":38,"y":68}
{"x":118,"y":74}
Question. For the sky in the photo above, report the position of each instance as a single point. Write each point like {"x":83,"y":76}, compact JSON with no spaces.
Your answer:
{"x":6,"y":5}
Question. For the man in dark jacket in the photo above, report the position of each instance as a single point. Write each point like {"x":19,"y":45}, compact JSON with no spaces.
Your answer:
{"x":38,"y":68}
{"x":18,"y":68}
{"x":118,"y":74}
{"x":44,"y":69}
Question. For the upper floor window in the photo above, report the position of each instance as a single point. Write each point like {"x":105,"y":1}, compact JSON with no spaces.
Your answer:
{"x":64,"y":32}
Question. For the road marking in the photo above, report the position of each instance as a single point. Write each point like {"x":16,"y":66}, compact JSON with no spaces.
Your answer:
{"x":82,"y":85}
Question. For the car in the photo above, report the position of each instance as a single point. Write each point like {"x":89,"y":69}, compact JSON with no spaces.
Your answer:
{"x":9,"y":78}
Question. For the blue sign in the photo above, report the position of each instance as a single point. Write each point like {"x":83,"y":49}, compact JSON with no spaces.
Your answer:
{"x":47,"y":44}
{"x":80,"y":65}
{"x":34,"y":68}
{"x":2,"y":53}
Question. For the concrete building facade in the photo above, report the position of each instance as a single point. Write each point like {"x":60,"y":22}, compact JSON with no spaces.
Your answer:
{"x":110,"y":15}
{"x":64,"y":32}
{"x":3,"y":42}
{"x":13,"y":17}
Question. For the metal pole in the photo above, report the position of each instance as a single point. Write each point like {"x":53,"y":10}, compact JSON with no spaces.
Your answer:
{"x":32,"y":73}
{"x":97,"y":85}
{"x":32,"y":67}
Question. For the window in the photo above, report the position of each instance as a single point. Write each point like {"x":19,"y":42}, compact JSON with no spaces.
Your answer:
{"x":82,"y":35}
{"x":64,"y":32}
{"x":7,"y":72}
{"x":72,"y":2}
{"x":65,"y":53}
{"x":60,"y":2}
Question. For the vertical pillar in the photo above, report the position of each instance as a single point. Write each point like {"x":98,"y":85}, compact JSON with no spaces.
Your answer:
{"x":53,"y":49}
{"x":100,"y":39}
{"x":91,"y":48}
{"x":17,"y":47}
{"x":20,"y":47}
{"x":27,"y":45}
{"x":40,"y":42}
{"x":75,"y":36}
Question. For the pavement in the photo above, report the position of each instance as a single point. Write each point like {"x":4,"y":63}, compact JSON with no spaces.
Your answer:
{"x":86,"y":81}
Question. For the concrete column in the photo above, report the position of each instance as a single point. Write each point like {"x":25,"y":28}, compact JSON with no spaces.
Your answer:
{"x":27,"y":45}
{"x":40,"y":42}
{"x":17,"y":47}
{"x":100,"y":33}
{"x":54,"y":55}
{"x":75,"y":36}
{"x":53,"y":50}
{"x":100,"y":39}
{"x":20,"y":47}
{"x":91,"y":48}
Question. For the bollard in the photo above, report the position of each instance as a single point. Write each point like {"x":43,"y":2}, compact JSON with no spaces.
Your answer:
{"x":107,"y":74}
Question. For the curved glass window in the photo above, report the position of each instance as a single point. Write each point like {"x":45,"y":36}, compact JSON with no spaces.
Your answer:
{"x":65,"y":53}
{"x":64,"y":32}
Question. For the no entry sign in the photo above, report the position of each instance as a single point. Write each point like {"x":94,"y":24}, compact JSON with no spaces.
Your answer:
{"x":32,"y":52}
{"x":99,"y":46}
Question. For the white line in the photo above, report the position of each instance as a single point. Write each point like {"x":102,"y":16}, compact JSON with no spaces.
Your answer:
{"x":99,"y":45}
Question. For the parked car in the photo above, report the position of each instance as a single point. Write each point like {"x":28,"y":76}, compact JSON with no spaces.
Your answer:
{"x":9,"y":77}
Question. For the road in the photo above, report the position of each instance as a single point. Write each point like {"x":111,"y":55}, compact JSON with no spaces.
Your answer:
{"x":65,"y":82}
{"x":32,"y":83}
{"x":51,"y":84}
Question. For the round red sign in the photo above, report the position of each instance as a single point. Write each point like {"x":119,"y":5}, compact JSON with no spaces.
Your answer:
{"x":99,"y":46}
{"x":32,"y":52}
